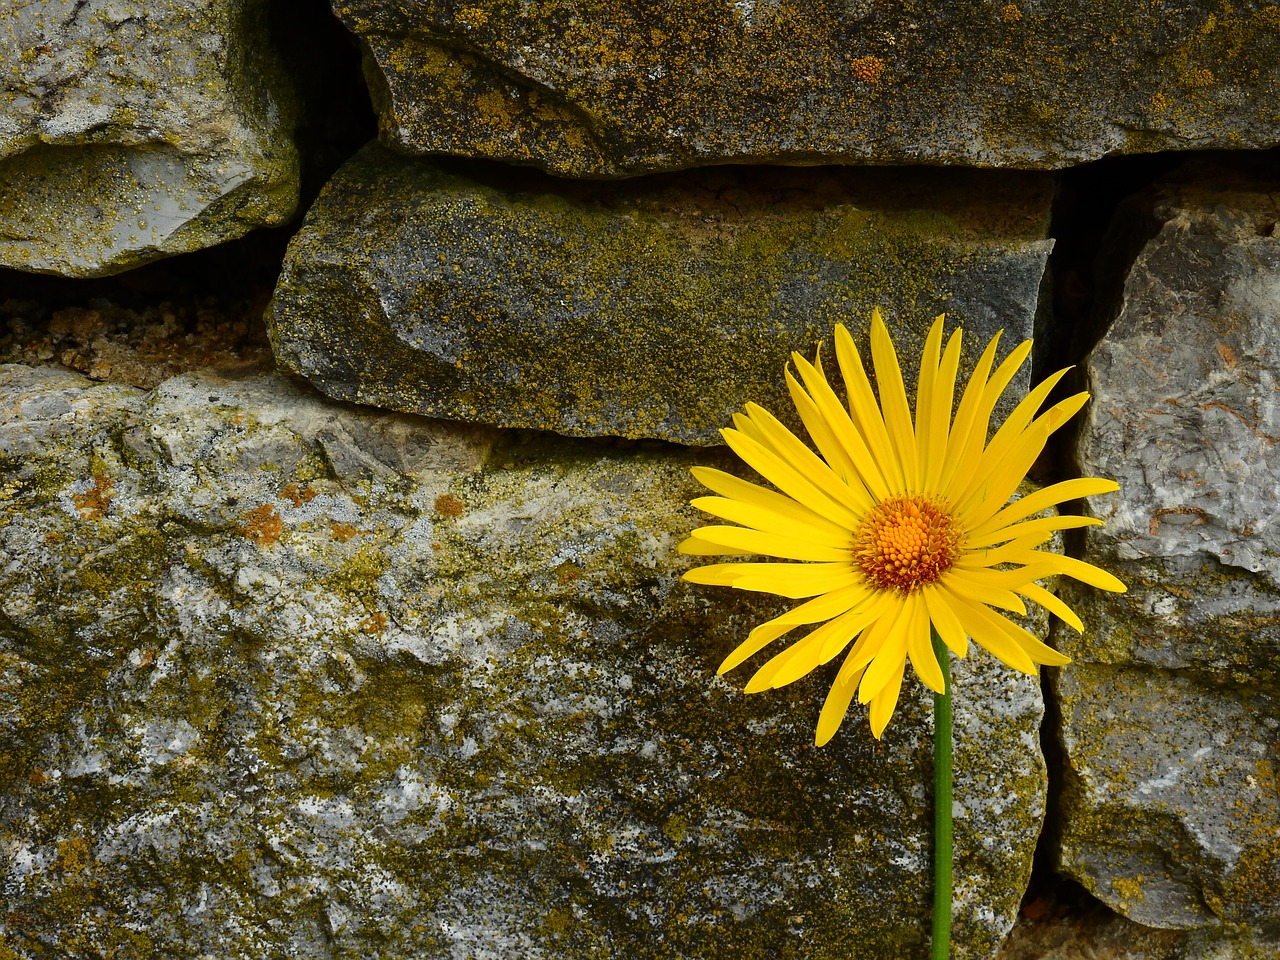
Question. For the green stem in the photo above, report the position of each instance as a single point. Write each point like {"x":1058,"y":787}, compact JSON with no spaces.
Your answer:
{"x":942,"y":807}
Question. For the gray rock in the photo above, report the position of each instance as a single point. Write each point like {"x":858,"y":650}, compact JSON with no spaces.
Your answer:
{"x":650,"y":308}
{"x":1171,"y":720}
{"x":289,"y":678}
{"x":131,"y":131}
{"x":600,"y":89}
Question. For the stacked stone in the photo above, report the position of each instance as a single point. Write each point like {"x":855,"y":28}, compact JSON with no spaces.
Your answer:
{"x":403,"y":668}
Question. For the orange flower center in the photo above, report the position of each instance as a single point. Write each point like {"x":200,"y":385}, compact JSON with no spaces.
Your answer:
{"x":906,"y":542}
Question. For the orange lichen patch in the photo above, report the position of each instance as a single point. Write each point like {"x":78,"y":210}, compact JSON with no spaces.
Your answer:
{"x":447,"y":505}
{"x":262,"y":525}
{"x":867,"y":68}
{"x":93,"y":504}
{"x":1010,"y":13}
{"x":374,"y":623}
{"x":342,"y":532}
{"x":1228,"y":355}
{"x":298,"y":495}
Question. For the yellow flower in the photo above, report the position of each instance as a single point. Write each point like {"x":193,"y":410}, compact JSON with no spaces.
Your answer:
{"x":898,"y":525}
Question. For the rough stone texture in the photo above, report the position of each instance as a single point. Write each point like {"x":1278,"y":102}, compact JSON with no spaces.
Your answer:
{"x":135,"y":130}
{"x":608,"y":89}
{"x":284,"y":677}
{"x":1171,"y":721}
{"x":650,"y":308}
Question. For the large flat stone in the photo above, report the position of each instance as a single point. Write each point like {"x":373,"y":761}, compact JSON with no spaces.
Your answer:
{"x":131,"y":131}
{"x":1171,"y":719}
{"x":283,"y":677}
{"x":607,"y":89}
{"x":651,"y":308}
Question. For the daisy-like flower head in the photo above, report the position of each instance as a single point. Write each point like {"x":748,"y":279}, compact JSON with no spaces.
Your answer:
{"x":896,"y":525}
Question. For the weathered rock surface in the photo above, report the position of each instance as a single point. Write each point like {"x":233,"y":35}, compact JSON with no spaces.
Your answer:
{"x":1171,"y":720}
{"x":607,"y":89}
{"x":284,"y":677}
{"x":135,"y":130}
{"x":652,"y":308}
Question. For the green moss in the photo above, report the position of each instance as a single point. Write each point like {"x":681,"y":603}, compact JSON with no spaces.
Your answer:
{"x":637,"y":312}
{"x":638,"y":92}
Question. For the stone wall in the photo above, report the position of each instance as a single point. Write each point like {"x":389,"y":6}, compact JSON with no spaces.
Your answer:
{"x":340,"y":611}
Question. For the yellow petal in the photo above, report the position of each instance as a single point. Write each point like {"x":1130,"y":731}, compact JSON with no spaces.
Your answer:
{"x":865,"y":411}
{"x":872,"y":639}
{"x":701,"y":548}
{"x":940,"y":401}
{"x":843,"y":429}
{"x":945,"y":621}
{"x":828,"y":605}
{"x":790,"y":522}
{"x":882,"y":604}
{"x":780,"y":545}
{"x":734,"y":488}
{"x":1045,"y":525}
{"x":798,"y":580}
{"x":920,"y":646}
{"x":789,"y":480}
{"x":836,"y":706}
{"x":973,"y":417}
{"x":757,"y":640}
{"x":1079,"y":570}
{"x":792,"y":580}
{"x":982,"y":589}
{"x":820,"y":429}
{"x":1053,"y":603}
{"x":1032,"y":647}
{"x":1010,"y":432}
{"x":889,"y":660}
{"x":805,"y":656}
{"x":1044,"y":498}
{"x":884,"y":703}
{"x":894,"y":403}
{"x":989,"y":492}
{"x":992,"y":632}
{"x":791,"y":449}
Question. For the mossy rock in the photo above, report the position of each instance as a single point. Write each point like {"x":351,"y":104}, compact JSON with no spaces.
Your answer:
{"x":283,"y":677}
{"x":1170,"y":719}
{"x":653,"y":308}
{"x":601,"y":89}
{"x":131,"y":135}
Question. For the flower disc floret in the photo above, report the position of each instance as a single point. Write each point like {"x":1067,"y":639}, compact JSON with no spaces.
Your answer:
{"x":906,"y":542}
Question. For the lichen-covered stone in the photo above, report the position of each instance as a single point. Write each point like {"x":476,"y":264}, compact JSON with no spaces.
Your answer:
{"x":135,"y":130}
{"x":608,"y":89}
{"x":1171,"y":721}
{"x":651,"y":308}
{"x":288,"y":678}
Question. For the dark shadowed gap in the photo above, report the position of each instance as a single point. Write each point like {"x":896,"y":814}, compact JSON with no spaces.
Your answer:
{"x":1093,"y":251}
{"x":233,"y":281}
